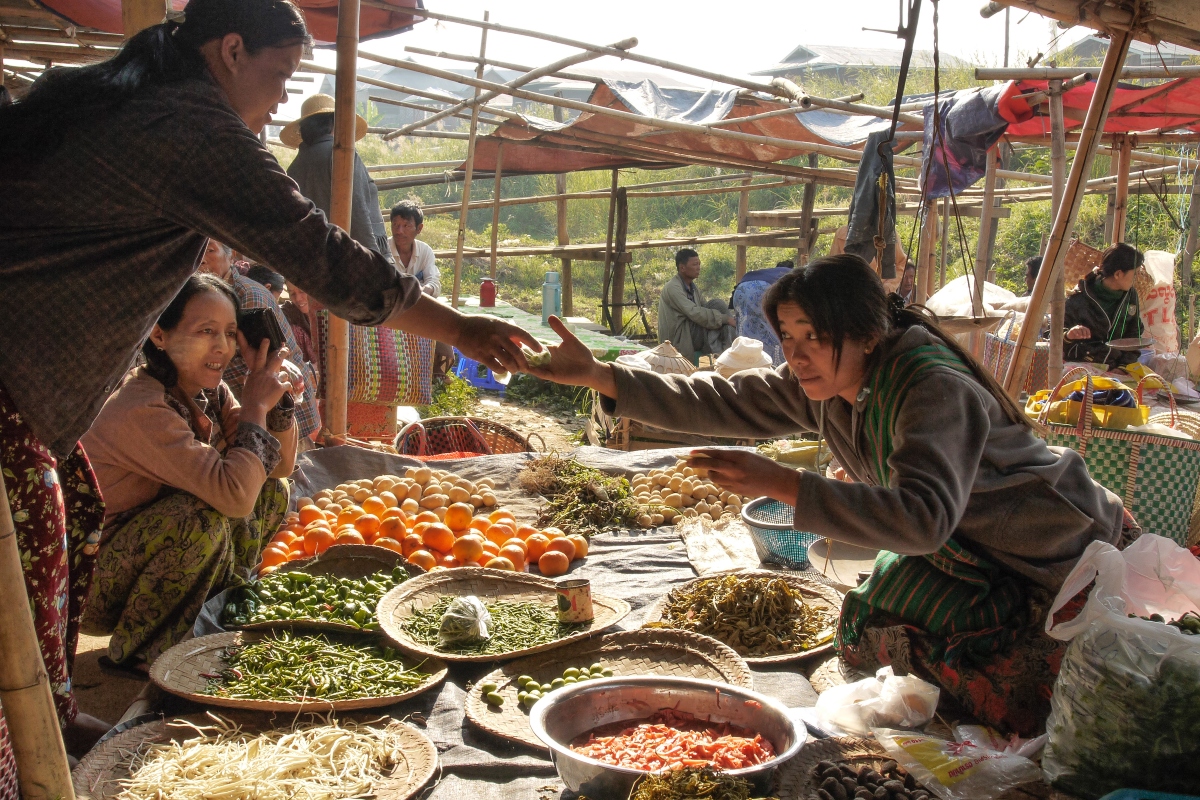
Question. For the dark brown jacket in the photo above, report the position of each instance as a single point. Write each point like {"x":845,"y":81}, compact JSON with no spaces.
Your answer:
{"x":959,"y":467}
{"x":98,"y":237}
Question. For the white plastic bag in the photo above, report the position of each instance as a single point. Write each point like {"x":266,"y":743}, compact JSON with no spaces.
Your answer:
{"x":1125,"y":712}
{"x":960,"y":770}
{"x":954,"y":299}
{"x":1158,"y":304}
{"x":465,"y":622}
{"x":885,"y":700}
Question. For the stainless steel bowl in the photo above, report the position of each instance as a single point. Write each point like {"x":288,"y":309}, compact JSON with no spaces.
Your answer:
{"x":567,"y":713}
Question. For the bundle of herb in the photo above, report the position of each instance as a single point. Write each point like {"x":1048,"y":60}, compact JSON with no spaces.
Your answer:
{"x":579,"y":499}
{"x":691,"y":783}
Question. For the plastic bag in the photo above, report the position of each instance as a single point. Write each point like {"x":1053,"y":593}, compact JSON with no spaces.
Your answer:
{"x":1158,"y":301}
{"x":466,"y":621}
{"x":961,"y":770}
{"x":886,"y":699}
{"x":1125,"y":712}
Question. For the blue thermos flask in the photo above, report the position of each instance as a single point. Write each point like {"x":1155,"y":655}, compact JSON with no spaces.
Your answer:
{"x":551,"y":297}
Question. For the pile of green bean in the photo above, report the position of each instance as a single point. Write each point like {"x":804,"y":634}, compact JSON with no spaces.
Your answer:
{"x":293,"y":668}
{"x":514,"y":626}
{"x":298,"y":596}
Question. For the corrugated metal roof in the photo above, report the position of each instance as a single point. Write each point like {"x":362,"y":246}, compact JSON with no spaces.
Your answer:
{"x":817,"y":57}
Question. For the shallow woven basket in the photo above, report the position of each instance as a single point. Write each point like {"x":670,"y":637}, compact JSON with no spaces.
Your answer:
{"x":797,"y":778}
{"x":98,"y":776}
{"x":486,"y":584}
{"x":415,"y":439}
{"x":678,"y":654}
{"x":813,"y":591}
{"x":179,"y":671}
{"x":355,"y":561}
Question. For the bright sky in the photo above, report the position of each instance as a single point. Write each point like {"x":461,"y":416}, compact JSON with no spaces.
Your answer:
{"x":722,"y":36}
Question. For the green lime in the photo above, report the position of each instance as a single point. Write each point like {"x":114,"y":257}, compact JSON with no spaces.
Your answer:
{"x":558,"y":683}
{"x":606,"y":672}
{"x":595,"y":668}
{"x":522,"y":697}
{"x":570,"y":681}
{"x":524,"y":679}
{"x":493,"y":699}
{"x":487,"y":688}
{"x":570,"y":672}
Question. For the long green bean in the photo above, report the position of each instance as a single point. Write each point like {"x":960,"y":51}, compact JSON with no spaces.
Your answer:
{"x":294,"y":668}
{"x":514,"y":626}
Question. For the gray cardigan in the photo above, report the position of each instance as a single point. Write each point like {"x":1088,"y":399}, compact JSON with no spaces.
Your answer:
{"x":312,"y":170}
{"x":960,"y":467}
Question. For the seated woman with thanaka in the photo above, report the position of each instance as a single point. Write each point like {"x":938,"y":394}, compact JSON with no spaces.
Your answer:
{"x":977,"y":520}
{"x":191,"y":479}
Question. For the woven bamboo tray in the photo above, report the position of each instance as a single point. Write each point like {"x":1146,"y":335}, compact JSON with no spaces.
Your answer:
{"x":679,"y":654}
{"x":486,"y":584}
{"x":813,"y":591}
{"x":355,"y":561}
{"x":98,"y":776}
{"x":180,"y":672}
{"x":797,"y":777}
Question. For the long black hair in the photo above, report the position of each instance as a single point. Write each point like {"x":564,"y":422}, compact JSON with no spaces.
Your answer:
{"x":64,"y":98}
{"x":845,"y":300}
{"x":158,"y":364}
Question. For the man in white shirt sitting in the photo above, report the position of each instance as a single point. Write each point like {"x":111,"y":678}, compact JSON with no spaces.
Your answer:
{"x":412,"y":256}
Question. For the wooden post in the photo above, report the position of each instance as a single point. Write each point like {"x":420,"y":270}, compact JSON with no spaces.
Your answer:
{"x":1189,"y":249}
{"x":496,"y":205}
{"x":804,"y":250}
{"x":469,"y":170}
{"x":1058,"y":173}
{"x":37,"y":745}
{"x":137,"y":15}
{"x":560,"y":218}
{"x":928,"y":235}
{"x":1121,"y":203}
{"x":944,"y":252}
{"x":739,"y":267}
{"x":341,"y":201}
{"x":608,"y":249}
{"x":1064,"y":220}
{"x":618,"y":284}
{"x":982,"y":250}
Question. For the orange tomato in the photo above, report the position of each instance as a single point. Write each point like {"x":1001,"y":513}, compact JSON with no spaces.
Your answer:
{"x":581,"y":545}
{"x":411,"y":543}
{"x":395,"y":513}
{"x":468,"y":548}
{"x":423,"y":559}
{"x":420,"y":528}
{"x":296,"y":555}
{"x":480,"y":524}
{"x":553,"y":533}
{"x":554,"y":563}
{"x":373,"y":505}
{"x":310,"y":514}
{"x":390,"y":544}
{"x":317,"y":541}
{"x":348,"y":515}
{"x":392,"y":527}
{"x":448,"y":561}
{"x":273,"y":556}
{"x":500,"y":514}
{"x":537,"y":544}
{"x":330,"y":516}
{"x":491,"y":548}
{"x":500,"y":533}
{"x":427,"y":516}
{"x":514,"y":554}
{"x":367,"y":524}
{"x":458,"y":516}
{"x":285,"y":537}
{"x":499,"y":562}
{"x":525,"y":531}
{"x":265,"y":571}
{"x":518,"y":543}
{"x":564,"y":546}
{"x":350,"y":537}
{"x":439,"y":537}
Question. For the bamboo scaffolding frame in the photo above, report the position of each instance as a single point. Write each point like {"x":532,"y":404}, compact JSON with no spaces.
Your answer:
{"x":1064,"y":220}
{"x":1066,"y":73}
{"x":520,"y":80}
{"x":469,"y":169}
{"x":561,"y":232}
{"x":582,"y":251}
{"x":414,"y":165}
{"x":1121,"y":199}
{"x":739,"y":268}
{"x":1058,"y":171}
{"x":496,"y":208}
{"x":418,"y":107}
{"x":571,"y":76}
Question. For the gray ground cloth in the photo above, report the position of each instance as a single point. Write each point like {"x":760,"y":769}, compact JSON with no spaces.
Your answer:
{"x":635,"y":566}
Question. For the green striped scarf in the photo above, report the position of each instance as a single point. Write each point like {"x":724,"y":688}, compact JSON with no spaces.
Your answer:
{"x":952,"y":593}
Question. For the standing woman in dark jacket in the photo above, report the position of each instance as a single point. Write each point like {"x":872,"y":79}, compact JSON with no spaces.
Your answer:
{"x":112,"y":178}
{"x":1104,"y":308}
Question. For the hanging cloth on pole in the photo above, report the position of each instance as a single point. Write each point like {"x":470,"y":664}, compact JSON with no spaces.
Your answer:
{"x":970,"y":124}
{"x":873,"y":206}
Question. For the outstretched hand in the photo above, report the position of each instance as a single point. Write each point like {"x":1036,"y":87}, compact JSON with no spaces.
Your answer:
{"x":572,"y":363}
{"x":747,"y":473}
{"x":495,"y":343}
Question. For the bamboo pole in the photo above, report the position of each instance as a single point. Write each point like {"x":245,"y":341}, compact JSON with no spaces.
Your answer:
{"x":944,"y":252}
{"x":803,"y":252}
{"x":618,"y":282}
{"x":414,"y":165}
{"x":1064,"y":220}
{"x":495,"y":62}
{"x":608,"y":248}
{"x":341,"y":202}
{"x":1058,"y":171}
{"x":37,"y":745}
{"x":1121,"y":203}
{"x":1063,"y":73}
{"x":731,"y":80}
{"x":928,"y":236}
{"x":496,"y":206}
{"x":778,"y":237}
{"x":426,"y":109}
{"x":739,"y":268}
{"x":312,"y":66}
{"x":520,"y":80}
{"x":469,"y":168}
{"x":564,"y":238}
{"x":982,"y":249}
{"x":1193,"y":237}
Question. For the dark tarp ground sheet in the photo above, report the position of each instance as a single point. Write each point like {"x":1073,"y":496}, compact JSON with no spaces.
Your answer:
{"x":637,"y":566}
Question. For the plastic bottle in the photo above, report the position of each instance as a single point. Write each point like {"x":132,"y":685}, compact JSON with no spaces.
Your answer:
{"x":487,"y":293}
{"x":551,"y":297}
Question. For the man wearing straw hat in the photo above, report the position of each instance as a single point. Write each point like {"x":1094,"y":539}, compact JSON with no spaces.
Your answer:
{"x":312,"y":170}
